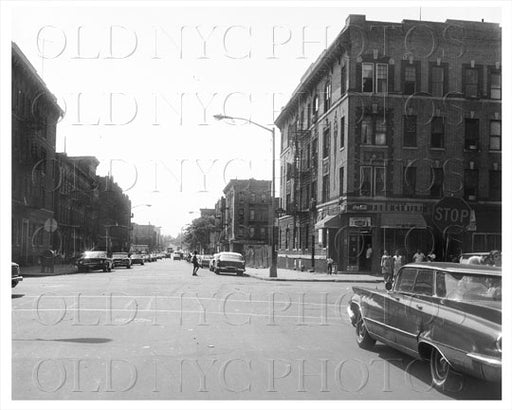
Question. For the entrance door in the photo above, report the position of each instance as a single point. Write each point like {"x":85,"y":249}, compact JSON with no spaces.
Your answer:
{"x":358,"y":245}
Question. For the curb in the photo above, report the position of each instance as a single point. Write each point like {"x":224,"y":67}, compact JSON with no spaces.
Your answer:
{"x":317,"y":280}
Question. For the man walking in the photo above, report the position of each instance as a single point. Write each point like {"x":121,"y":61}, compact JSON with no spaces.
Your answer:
{"x":386,"y":264}
{"x":195,"y":264}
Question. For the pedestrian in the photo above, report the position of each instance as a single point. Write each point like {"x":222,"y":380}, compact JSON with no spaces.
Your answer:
{"x":195,"y":264}
{"x":398,"y":261}
{"x":329,"y":266}
{"x":386,"y":265}
{"x":368,"y":256}
{"x":418,"y":257}
{"x":431,"y":257}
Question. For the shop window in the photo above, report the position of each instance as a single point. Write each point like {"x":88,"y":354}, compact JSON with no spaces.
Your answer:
{"x":437,"y":132}
{"x":410,"y":131}
{"x":471,"y":134}
{"x":495,"y":135}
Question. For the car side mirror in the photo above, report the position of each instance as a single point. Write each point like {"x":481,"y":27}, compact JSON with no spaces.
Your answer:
{"x":388,"y":285}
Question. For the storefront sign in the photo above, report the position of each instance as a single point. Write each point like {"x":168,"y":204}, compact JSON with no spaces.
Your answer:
{"x":412,"y":207}
{"x":359,"y":222}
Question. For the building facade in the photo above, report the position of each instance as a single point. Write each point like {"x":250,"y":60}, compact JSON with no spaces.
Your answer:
{"x":35,"y":114}
{"x":148,"y":236}
{"x":243,"y":216}
{"x":379,"y":130}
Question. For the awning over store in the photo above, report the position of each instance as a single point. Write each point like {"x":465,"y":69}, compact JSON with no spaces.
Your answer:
{"x":330,"y":221}
{"x":402,"y":220}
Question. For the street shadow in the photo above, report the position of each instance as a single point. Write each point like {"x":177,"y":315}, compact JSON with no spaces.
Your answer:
{"x":93,"y":340}
{"x":465,"y":388}
{"x":17,"y":295}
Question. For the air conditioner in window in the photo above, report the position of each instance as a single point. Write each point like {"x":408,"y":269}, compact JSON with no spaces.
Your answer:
{"x":473,"y":147}
{"x":472,"y":197}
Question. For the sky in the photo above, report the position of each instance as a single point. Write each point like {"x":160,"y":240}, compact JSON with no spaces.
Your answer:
{"x":140,"y":83}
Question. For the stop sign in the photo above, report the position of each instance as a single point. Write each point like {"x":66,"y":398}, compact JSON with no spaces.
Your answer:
{"x":450,"y":211}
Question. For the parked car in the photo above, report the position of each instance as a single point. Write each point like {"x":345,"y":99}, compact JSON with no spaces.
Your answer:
{"x":176,"y":256}
{"x":204,"y":260}
{"x":212,"y":261}
{"x":121,"y":259}
{"x":145,"y":256}
{"x":91,"y":260}
{"x":137,"y":258}
{"x":229,"y":262}
{"x":481,"y":258}
{"x":446,"y":313}
{"x":15,"y":274}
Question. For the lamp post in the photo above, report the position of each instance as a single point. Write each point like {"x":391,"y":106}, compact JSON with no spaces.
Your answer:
{"x":273,"y":262}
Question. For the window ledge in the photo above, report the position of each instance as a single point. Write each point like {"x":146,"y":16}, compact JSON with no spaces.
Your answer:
{"x":410,"y":147}
{"x":437,"y":149}
{"x":374,"y":146}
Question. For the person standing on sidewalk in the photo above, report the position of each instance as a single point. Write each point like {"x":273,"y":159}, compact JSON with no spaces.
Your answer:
{"x":195,"y":264}
{"x":398,"y":261}
{"x":329,"y":266}
{"x":386,"y":264}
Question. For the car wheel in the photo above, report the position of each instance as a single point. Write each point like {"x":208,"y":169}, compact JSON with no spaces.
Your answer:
{"x":128,"y":266}
{"x":142,"y":263}
{"x":364,"y":340}
{"x":443,"y":375}
{"x":217,"y":271}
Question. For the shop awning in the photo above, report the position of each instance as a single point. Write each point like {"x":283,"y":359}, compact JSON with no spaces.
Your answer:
{"x":402,"y":220}
{"x":330,"y":221}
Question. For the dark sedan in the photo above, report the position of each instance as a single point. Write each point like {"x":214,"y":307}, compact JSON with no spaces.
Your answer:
{"x":446,"y":313}
{"x":232,"y":262}
{"x":15,"y":274}
{"x":94,"y":260}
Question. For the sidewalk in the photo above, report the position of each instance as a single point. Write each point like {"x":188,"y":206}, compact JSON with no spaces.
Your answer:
{"x":298,"y":276}
{"x":35,"y":270}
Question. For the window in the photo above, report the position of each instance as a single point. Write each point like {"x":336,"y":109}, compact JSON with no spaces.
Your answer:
{"x":327,"y":96}
{"x":437,"y":132}
{"x":436,"y":182}
{"x":424,"y":284}
{"x":382,"y":78}
{"x":367,"y":130}
{"x":325,"y":188}
{"x":313,"y":191}
{"x":308,"y":156}
{"x":495,"y":135}
{"x":342,"y":181}
{"x":471,"y":135}
{"x":315,"y":108}
{"x":471,"y":83}
{"x":308,"y":113}
{"x":365,"y":184}
{"x":251,"y":214}
{"x":406,"y":280}
{"x":367,"y":79}
{"x":380,"y":181}
{"x":251,"y":232}
{"x":326,"y":142}
{"x":470,"y":184}
{"x":437,"y":81}
{"x":409,"y":183}
{"x":342,"y":132}
{"x":495,"y":185}
{"x":343,"y":79}
{"x":410,"y":79}
{"x":495,"y":85}
{"x":410,"y":131}
{"x":373,"y":130}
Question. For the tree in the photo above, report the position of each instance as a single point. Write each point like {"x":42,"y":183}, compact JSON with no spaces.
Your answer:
{"x":197,"y":234}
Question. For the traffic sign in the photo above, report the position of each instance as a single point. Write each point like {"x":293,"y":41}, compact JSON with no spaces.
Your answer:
{"x":451,"y":212}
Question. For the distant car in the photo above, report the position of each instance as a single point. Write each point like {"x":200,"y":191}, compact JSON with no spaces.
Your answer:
{"x":15,"y":274}
{"x":229,"y":262}
{"x":176,"y":256}
{"x":137,"y":258}
{"x":204,"y":260}
{"x":92,"y":260}
{"x":145,"y":257}
{"x":121,"y":259}
{"x":445,"y":313}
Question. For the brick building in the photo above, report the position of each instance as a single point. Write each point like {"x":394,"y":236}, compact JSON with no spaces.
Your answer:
{"x":147,"y":235}
{"x":76,"y":203}
{"x":380,"y":128}
{"x":35,"y":114}
{"x":244,"y":219}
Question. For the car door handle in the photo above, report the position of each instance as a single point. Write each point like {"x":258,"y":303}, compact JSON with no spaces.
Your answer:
{"x":419,"y":307}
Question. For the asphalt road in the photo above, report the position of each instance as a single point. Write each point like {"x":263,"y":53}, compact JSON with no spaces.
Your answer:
{"x":156,"y":332}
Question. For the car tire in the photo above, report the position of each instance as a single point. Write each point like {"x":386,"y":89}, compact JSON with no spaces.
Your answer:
{"x":217,"y":271}
{"x":363,"y":339}
{"x":128,"y":267}
{"x":444,"y":377}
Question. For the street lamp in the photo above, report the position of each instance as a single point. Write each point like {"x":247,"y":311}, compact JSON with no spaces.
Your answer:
{"x":273,"y":262}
